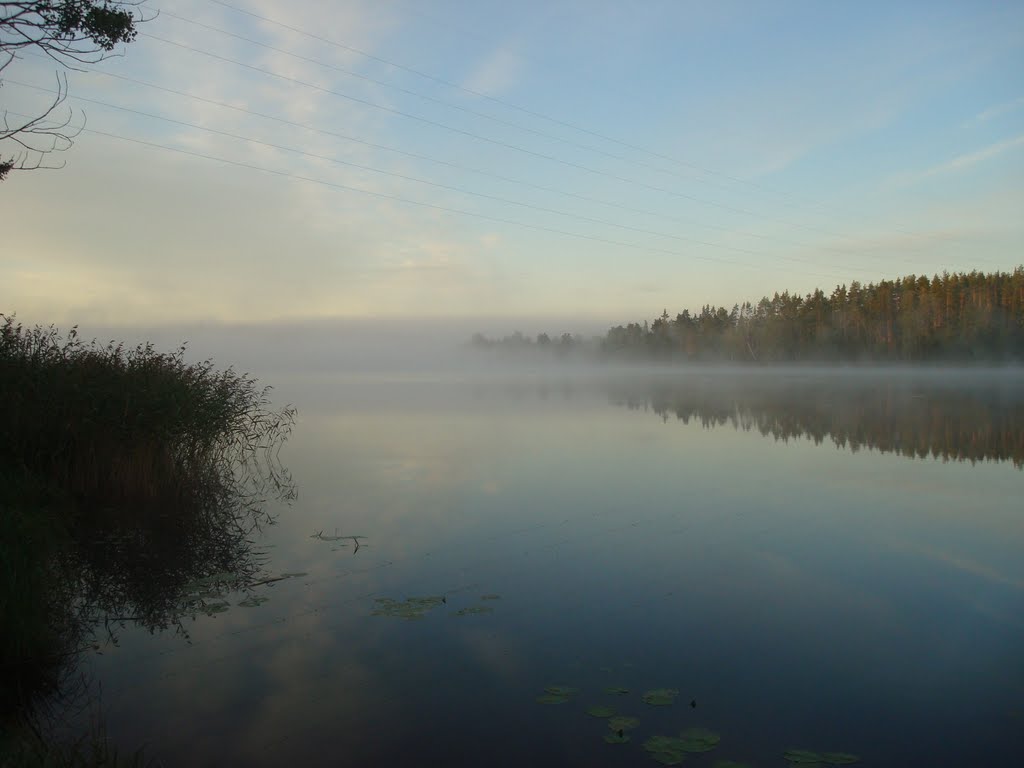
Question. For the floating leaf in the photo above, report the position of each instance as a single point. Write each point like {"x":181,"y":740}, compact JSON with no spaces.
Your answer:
{"x":410,"y":609}
{"x":615,"y":690}
{"x":660,"y":697}
{"x":623,"y":723}
{"x":253,"y":601}
{"x":839,"y":758}
{"x":552,"y":698}
{"x":474,"y":609}
{"x":667,"y":750}
{"x":699,"y":740}
{"x":600,"y":711}
{"x":618,"y":737}
{"x":662,"y":743}
{"x":802,"y":756}
{"x":490,"y":597}
{"x":729,"y":764}
{"x":211,"y":608}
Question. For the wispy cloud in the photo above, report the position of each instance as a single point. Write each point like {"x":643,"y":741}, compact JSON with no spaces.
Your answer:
{"x":959,"y":163}
{"x":498,"y":72}
{"x":999,"y":110}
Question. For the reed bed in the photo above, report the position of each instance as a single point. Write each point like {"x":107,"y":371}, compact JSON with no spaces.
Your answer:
{"x":108,"y":424}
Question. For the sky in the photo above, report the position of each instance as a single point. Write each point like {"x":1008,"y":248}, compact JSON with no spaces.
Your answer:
{"x":254,"y":162}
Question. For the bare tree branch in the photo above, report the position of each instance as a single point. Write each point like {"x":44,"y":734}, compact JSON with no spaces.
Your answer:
{"x":69,"y":32}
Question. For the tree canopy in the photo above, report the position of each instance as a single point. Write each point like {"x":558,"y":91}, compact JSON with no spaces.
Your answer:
{"x":959,"y":316}
{"x":71,"y":32}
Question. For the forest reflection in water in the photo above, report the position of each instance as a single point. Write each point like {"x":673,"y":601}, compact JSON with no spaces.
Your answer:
{"x":960,"y":417}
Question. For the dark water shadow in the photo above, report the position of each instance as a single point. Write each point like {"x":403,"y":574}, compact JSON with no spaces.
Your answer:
{"x":81,"y":574}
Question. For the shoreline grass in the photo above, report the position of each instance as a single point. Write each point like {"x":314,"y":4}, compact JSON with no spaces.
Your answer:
{"x":115,"y":425}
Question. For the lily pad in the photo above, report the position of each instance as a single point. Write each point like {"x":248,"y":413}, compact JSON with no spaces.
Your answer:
{"x":600,"y":711}
{"x":615,"y":690}
{"x":730,"y":764}
{"x":660,"y":697}
{"x":839,"y":758}
{"x":617,"y":737}
{"x":667,"y":750}
{"x":474,"y":609}
{"x":623,"y":723}
{"x":253,"y":601}
{"x":802,"y":756}
{"x":699,"y":740}
{"x":211,"y":608}
{"x":410,"y":609}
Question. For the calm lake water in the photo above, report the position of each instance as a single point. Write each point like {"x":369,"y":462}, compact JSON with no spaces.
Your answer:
{"x":831,"y":562}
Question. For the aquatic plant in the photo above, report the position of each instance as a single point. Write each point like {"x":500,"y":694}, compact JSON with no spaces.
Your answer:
{"x":106,"y":424}
{"x":617,"y":737}
{"x":623,"y":723}
{"x":660,"y":697}
{"x":473,"y":609}
{"x":699,"y":740}
{"x":839,"y":758}
{"x":556,"y":694}
{"x":599,"y":710}
{"x":132,"y":483}
{"x":667,"y":750}
{"x":799,"y":756}
{"x":410,"y":609}
{"x":615,"y":690}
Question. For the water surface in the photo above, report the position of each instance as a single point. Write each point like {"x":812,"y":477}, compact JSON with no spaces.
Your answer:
{"x":832,"y":562}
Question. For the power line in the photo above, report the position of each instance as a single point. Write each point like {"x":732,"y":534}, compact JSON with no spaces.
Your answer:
{"x":478,"y":94}
{"x":431,"y":99}
{"x":496,"y":142}
{"x":434,"y":206}
{"x":549,"y":118}
{"x":489,"y":174}
{"x":845,"y":252}
{"x":405,"y":177}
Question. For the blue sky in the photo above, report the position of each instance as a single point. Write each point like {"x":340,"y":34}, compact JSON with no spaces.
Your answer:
{"x":575,"y":159}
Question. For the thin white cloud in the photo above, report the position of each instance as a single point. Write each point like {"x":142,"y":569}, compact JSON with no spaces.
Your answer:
{"x":999,"y":110}
{"x":959,"y":163}
{"x":496,"y":73}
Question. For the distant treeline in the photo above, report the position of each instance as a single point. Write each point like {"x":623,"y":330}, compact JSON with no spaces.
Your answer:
{"x":961,"y":316}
